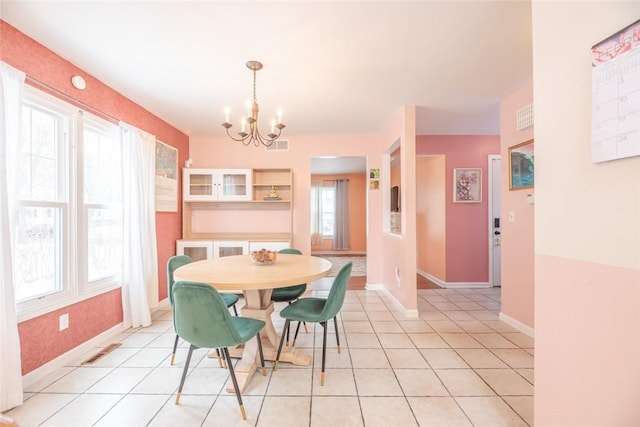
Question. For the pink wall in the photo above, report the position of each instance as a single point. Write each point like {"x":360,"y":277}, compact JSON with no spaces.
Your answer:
{"x":397,"y":258}
{"x":517,"y":237}
{"x":467,"y":255}
{"x":588,"y":371}
{"x":431,"y":238}
{"x":357,"y":211}
{"x":40,"y":339}
{"x":212,"y":152}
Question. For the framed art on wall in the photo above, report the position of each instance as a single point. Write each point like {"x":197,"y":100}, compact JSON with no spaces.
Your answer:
{"x":521,"y":166}
{"x":166,"y":178}
{"x":467,"y":185}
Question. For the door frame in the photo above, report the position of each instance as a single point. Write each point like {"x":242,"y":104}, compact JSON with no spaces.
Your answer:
{"x":490,"y":212}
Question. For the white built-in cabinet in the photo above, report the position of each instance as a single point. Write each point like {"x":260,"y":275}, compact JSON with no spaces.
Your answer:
{"x":206,"y":249}
{"x":217,"y":184}
{"x":233,"y":211}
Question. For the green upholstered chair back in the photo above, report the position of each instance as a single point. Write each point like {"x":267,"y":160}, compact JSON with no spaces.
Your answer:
{"x":174,"y":263}
{"x":201,"y":317}
{"x":337,"y":293}
{"x":290,"y":251}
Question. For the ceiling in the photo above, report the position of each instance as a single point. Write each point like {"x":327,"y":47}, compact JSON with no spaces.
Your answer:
{"x":335,"y":68}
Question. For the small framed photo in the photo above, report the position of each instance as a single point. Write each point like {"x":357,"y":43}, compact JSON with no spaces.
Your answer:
{"x":521,"y":166}
{"x":467,"y":185}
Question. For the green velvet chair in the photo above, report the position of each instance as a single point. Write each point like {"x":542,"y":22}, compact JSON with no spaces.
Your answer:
{"x":318,"y":310}
{"x":201,"y":318}
{"x":290,"y":293}
{"x":178,"y":261}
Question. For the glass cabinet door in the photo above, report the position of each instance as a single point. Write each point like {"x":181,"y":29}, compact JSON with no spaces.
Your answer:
{"x":223,"y":248}
{"x":196,"y":249}
{"x":234,"y":184}
{"x":199,"y":184}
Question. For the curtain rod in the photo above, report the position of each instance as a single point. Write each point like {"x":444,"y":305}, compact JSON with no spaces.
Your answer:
{"x":74,"y":100}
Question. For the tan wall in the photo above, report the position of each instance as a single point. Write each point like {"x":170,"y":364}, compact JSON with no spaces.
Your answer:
{"x":431,"y":216}
{"x":587,"y":231}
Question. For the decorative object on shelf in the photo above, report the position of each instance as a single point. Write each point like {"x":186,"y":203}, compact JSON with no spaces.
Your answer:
{"x":467,"y":185}
{"x":254,"y":136}
{"x":521,"y":166}
{"x":263,"y":257}
{"x":273,"y":194}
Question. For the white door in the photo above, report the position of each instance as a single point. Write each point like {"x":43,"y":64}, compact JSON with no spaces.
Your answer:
{"x":495,"y":238}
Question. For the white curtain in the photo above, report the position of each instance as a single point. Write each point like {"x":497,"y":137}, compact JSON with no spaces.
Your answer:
{"x":341,"y":223}
{"x":11,"y":88}
{"x":140,"y":256}
{"x":316,"y":213}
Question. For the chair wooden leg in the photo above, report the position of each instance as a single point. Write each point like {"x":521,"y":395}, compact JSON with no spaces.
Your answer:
{"x":324,"y":351}
{"x":335,"y":323}
{"x":295,"y":336}
{"x":184,"y":372}
{"x":221,"y":360}
{"x":305,"y":327}
{"x":175,"y":346}
{"x":235,"y":382}
{"x":284,"y":331}
{"x":264,"y":372}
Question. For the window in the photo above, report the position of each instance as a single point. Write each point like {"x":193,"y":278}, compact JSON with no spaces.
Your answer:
{"x":69,"y":237}
{"x":328,"y":210}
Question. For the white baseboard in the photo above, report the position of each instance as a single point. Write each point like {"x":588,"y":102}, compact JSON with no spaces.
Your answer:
{"x":69,"y":357}
{"x":443,"y":284}
{"x":521,"y":327}
{"x":412,"y":314}
{"x":72,"y":355}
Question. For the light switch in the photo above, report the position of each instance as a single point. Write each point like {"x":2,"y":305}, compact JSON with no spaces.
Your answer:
{"x":512,"y":216}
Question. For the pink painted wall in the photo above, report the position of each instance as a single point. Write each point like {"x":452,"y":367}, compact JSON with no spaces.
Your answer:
{"x":431,"y":214}
{"x":467,"y":255}
{"x":398,"y":258}
{"x":517,"y":237}
{"x":212,"y":152}
{"x":587,"y":232}
{"x":357,"y":211}
{"x":40,"y":339}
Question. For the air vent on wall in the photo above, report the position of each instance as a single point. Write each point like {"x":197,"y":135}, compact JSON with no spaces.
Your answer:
{"x":278,"y":145}
{"x":524,"y":117}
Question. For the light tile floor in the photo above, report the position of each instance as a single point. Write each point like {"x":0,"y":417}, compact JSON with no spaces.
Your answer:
{"x":456,"y":365}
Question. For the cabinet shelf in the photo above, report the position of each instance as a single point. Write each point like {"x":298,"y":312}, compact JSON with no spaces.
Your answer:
{"x":207,"y":216}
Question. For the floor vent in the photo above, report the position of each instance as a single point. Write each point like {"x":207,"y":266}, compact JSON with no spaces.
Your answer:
{"x":108,"y":349}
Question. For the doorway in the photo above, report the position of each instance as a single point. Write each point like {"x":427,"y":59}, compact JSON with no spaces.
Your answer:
{"x":325,"y":171}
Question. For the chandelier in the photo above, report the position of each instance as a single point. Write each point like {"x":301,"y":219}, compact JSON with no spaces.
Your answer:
{"x":253,"y":134}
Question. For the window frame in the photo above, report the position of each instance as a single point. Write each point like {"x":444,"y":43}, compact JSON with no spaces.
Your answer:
{"x":74,"y":286}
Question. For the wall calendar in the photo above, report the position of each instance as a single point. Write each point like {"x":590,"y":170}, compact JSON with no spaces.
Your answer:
{"x":615,"y":121}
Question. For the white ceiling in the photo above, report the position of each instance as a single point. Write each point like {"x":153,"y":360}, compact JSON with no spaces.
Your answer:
{"x":336,"y":68}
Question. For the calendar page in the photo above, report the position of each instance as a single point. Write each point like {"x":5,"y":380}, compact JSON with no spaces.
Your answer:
{"x":615,"y":121}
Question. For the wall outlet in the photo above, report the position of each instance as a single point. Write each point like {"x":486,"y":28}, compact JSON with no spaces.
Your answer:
{"x":64,"y":321}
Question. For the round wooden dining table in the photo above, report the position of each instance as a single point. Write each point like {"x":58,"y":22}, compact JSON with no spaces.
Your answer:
{"x":237,"y":273}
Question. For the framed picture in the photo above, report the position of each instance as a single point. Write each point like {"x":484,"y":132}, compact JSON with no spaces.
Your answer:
{"x":166,"y":178}
{"x":521,"y":166}
{"x":374,"y":179}
{"x":467,"y":185}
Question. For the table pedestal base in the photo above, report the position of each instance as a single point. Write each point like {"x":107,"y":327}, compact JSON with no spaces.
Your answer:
{"x":248,"y":353}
